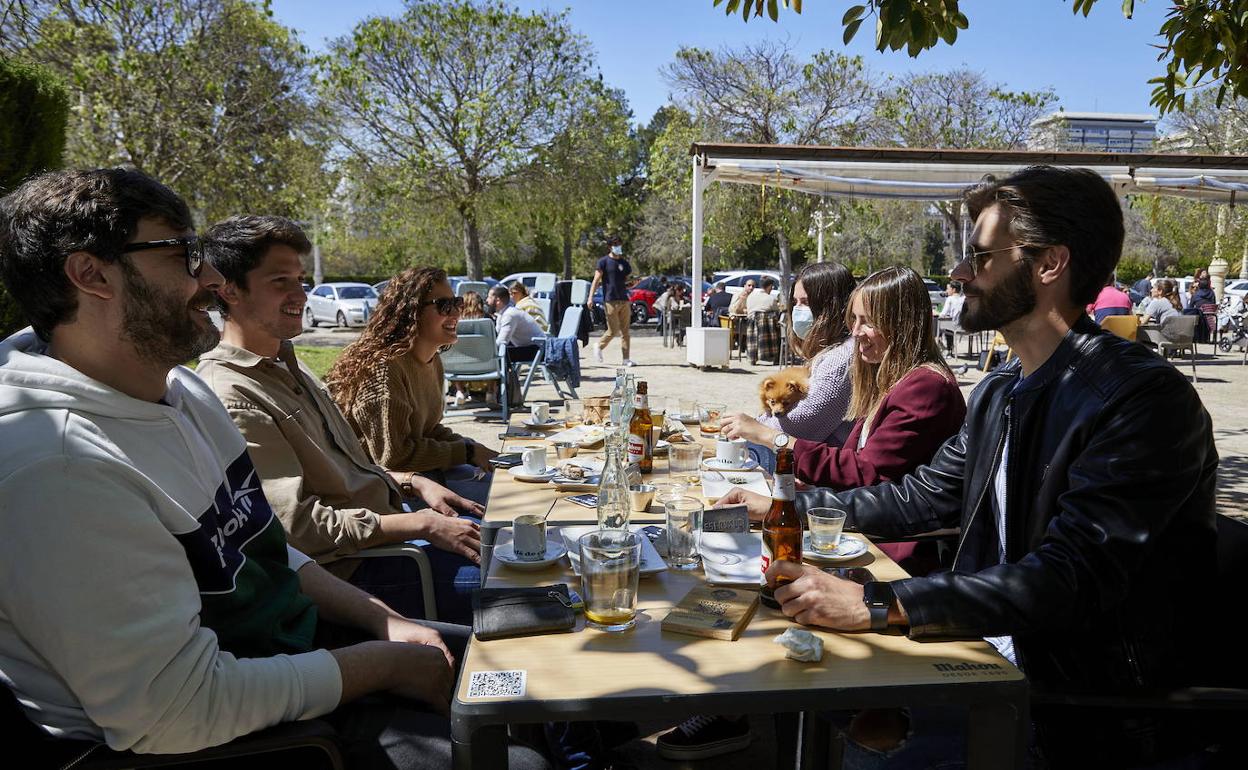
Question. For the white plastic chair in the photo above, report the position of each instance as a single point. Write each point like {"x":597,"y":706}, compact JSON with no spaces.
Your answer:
{"x":475,"y":356}
{"x":480,"y":287}
{"x":580,"y":292}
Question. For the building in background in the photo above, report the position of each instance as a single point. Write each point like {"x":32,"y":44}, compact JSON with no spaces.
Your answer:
{"x":1093,"y":132}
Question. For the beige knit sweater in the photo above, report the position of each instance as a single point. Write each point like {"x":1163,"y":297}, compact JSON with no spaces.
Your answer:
{"x":397,"y":413}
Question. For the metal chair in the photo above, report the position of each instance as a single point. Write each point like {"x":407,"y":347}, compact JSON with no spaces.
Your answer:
{"x":480,"y":287}
{"x":1177,"y":334}
{"x":474,"y":356}
{"x":413,"y":550}
{"x":567,"y":330}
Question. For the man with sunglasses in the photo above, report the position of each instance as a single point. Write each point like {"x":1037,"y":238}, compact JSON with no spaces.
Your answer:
{"x":333,"y":500}
{"x":1083,"y":475}
{"x":150,"y":600}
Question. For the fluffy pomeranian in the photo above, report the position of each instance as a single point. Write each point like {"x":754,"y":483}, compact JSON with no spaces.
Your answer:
{"x":780,"y":392}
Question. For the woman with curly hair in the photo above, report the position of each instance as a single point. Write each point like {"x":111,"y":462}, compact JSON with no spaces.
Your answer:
{"x":389,"y":382}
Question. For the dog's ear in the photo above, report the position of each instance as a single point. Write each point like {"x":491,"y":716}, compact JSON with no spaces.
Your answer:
{"x":793,"y":388}
{"x":767,"y":383}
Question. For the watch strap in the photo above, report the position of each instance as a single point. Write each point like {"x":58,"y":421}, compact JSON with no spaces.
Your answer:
{"x":878,"y":596}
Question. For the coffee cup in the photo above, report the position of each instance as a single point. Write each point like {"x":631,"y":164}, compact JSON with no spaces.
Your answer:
{"x":529,"y":537}
{"x":534,"y":459}
{"x":731,"y":452}
{"x":541,"y":413}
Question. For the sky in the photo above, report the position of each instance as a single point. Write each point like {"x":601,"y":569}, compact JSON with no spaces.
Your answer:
{"x":1100,"y":64}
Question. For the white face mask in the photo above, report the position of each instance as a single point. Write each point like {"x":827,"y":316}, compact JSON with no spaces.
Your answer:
{"x":617,"y":251}
{"x":803,"y":320}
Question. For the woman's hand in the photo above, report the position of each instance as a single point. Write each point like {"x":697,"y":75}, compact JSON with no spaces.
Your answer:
{"x":740,"y":425}
{"x":755,"y":504}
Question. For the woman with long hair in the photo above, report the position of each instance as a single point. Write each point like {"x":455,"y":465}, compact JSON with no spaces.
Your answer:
{"x":389,"y":383}
{"x":904,"y":402}
{"x":474,"y":308}
{"x":819,"y":300}
{"x":1164,"y":301}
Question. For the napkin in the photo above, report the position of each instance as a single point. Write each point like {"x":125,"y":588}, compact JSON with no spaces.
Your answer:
{"x":800,"y":644}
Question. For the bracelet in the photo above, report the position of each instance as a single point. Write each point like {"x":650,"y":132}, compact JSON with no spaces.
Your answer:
{"x":405,"y":486}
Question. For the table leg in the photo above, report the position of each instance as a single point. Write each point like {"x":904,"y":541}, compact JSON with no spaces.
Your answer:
{"x":479,"y":748}
{"x":488,"y":535}
{"x":816,"y":740}
{"x":997,"y":735}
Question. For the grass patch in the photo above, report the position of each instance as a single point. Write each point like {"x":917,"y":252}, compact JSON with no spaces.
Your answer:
{"x":317,"y":359}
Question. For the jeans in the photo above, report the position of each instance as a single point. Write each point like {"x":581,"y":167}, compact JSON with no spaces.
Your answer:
{"x":763,"y":455}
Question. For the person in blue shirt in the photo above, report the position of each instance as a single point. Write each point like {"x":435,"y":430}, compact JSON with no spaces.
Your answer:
{"x":612,"y":273}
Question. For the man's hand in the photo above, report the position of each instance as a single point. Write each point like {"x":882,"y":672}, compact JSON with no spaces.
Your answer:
{"x":815,"y":598}
{"x":446,"y":502}
{"x":481,"y":456}
{"x":461,"y":536}
{"x":740,"y":425}
{"x":401,"y":629}
{"x":416,"y":671}
{"x":756,"y":505}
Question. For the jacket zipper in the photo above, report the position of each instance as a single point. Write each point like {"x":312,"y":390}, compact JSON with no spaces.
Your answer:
{"x":991,"y":475}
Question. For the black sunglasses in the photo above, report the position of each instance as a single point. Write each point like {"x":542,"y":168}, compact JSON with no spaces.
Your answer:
{"x":193,"y":250}
{"x":446,"y":305}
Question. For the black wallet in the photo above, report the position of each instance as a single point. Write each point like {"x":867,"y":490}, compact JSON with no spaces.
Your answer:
{"x":501,"y":612}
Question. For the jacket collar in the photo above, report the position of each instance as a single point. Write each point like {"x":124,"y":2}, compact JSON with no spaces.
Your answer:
{"x":1063,"y":355}
{"x":226,"y":353}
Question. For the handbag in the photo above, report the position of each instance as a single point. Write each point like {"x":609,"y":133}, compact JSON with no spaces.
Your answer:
{"x":498,"y":613}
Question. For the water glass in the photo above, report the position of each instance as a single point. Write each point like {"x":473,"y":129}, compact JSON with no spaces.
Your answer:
{"x":684,"y":531}
{"x":709,"y":416}
{"x":610,"y":568}
{"x":688,"y":408}
{"x":667,"y":490}
{"x":573,"y":412}
{"x":684,"y":462}
{"x":825,"y":525}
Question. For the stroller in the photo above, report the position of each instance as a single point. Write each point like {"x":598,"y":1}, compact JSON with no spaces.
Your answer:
{"x":1234,"y":327}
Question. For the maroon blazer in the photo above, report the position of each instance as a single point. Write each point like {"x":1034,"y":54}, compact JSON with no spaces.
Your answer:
{"x":918,"y":415}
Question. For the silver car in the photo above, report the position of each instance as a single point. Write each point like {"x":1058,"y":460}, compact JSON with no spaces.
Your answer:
{"x":340,"y":304}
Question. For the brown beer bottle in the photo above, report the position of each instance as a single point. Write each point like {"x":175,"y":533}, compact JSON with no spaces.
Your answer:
{"x":641,"y":432}
{"x":782,"y":527}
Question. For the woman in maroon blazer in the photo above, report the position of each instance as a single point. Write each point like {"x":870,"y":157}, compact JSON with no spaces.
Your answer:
{"x":905,"y":402}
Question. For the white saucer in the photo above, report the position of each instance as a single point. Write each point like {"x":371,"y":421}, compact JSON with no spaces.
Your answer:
{"x":506,"y":554}
{"x":850,"y":547}
{"x":716,"y":464}
{"x":550,"y":423}
{"x":520,"y":474}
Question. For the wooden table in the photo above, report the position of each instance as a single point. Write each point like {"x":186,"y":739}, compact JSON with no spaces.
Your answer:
{"x":590,"y":674}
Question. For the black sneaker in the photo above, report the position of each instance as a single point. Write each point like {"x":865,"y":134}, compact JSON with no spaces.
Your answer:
{"x":702,"y":736}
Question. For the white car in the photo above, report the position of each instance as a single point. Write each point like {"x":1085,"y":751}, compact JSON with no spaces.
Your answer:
{"x":934,"y":292}
{"x":734,"y":280}
{"x":340,"y":304}
{"x":1236,"y":287}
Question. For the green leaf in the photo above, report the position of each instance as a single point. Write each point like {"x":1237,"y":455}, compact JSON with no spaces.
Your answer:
{"x":773,"y":9}
{"x":1128,"y":8}
{"x":851,"y":29}
{"x":855,"y":12}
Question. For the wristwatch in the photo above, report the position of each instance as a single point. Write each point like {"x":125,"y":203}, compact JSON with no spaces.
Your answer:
{"x":878,"y":597}
{"x":405,"y":486}
{"x":780,"y":441}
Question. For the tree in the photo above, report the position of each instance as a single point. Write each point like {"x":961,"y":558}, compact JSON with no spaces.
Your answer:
{"x":958,"y":109}
{"x":33,"y":111}
{"x":762,"y":93}
{"x":458,"y":97}
{"x":1205,"y":41}
{"x":204,"y":95}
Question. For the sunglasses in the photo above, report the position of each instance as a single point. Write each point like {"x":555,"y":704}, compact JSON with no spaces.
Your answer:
{"x":192,"y":251}
{"x":978,"y":258}
{"x":445,"y":305}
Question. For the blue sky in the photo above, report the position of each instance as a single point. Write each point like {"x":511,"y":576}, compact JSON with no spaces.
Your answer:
{"x":1101,"y":63}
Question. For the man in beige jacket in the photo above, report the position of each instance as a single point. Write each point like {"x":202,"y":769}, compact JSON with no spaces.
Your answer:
{"x":333,"y":500}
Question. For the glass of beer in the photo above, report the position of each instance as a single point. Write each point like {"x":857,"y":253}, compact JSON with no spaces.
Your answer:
{"x":684,"y":462}
{"x":573,"y":412}
{"x":610,"y":568}
{"x":709,"y":418}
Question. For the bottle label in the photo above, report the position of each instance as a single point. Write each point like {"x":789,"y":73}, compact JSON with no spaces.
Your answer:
{"x":636,"y":448}
{"x":767,"y":556}
{"x":784,"y":488}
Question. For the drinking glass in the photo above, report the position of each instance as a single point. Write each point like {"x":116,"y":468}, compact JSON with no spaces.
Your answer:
{"x":684,"y":529}
{"x":825,"y":525}
{"x":573,"y":412}
{"x":667,"y":490}
{"x":688,"y":408}
{"x":684,"y":462}
{"x":610,"y":568}
{"x":709,"y":418}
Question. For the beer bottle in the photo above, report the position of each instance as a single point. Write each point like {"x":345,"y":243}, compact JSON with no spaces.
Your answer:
{"x":641,"y":432}
{"x":782,"y":527}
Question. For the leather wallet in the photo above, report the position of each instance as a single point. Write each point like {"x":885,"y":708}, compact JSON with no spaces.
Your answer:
{"x":501,"y":612}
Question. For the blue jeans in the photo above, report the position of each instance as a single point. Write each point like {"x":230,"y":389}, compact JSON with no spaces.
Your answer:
{"x":396,"y":581}
{"x":763,"y":455}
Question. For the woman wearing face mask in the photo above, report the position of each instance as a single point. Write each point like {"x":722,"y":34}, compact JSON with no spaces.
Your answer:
{"x":820,"y":299}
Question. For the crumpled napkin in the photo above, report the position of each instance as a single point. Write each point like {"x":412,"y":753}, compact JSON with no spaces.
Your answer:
{"x":800,"y":644}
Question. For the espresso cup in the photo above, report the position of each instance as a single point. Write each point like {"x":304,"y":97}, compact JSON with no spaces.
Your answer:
{"x":534,"y":460}
{"x":541,"y":412}
{"x":731,"y":452}
{"x":529,"y":537}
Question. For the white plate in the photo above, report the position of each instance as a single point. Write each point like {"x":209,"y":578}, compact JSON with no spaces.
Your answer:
{"x":850,"y":547}
{"x":506,"y":554}
{"x":550,"y":423}
{"x":716,"y":464}
{"x":520,"y":474}
{"x":651,"y":562}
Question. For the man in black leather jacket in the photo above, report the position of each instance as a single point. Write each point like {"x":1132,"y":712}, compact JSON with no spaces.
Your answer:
{"x":1083,"y":476}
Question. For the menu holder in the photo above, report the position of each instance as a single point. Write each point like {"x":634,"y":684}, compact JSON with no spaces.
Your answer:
{"x":712,"y":611}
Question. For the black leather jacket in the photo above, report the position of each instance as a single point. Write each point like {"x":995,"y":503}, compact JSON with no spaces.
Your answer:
{"x":1109,"y":527}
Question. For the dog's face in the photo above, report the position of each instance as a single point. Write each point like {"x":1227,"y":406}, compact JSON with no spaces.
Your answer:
{"x":780,"y":394}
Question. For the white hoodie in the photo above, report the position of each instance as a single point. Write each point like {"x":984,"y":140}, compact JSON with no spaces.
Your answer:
{"x":116,"y":515}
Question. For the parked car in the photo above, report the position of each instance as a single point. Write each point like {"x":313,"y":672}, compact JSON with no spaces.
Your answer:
{"x":380,"y":285}
{"x":456,"y":280}
{"x":934,"y":292}
{"x":734,"y":280}
{"x":342,"y":304}
{"x":1237,"y":287}
{"x":528,"y":279}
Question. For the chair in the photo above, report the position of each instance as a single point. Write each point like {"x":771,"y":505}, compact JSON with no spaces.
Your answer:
{"x":567,"y":331}
{"x":571,"y":320}
{"x":308,"y":745}
{"x":480,"y":287}
{"x":1125,"y":326}
{"x":580,"y":292}
{"x":1209,"y":312}
{"x":474,"y":356}
{"x":413,"y":550}
{"x":1177,"y":334}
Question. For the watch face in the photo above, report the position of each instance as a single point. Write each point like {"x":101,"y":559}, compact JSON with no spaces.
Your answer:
{"x":781,"y":440}
{"x":877,"y":593}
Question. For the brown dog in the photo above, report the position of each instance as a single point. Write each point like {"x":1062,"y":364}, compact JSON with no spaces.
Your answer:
{"x":780,"y":392}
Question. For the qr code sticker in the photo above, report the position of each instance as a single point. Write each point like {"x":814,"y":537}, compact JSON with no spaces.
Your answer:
{"x":496,"y":684}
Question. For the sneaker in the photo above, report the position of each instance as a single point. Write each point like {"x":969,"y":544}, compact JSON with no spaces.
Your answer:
{"x":702,"y":736}
{"x":461,"y":399}
{"x":597,"y":354}
{"x":627,"y":362}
